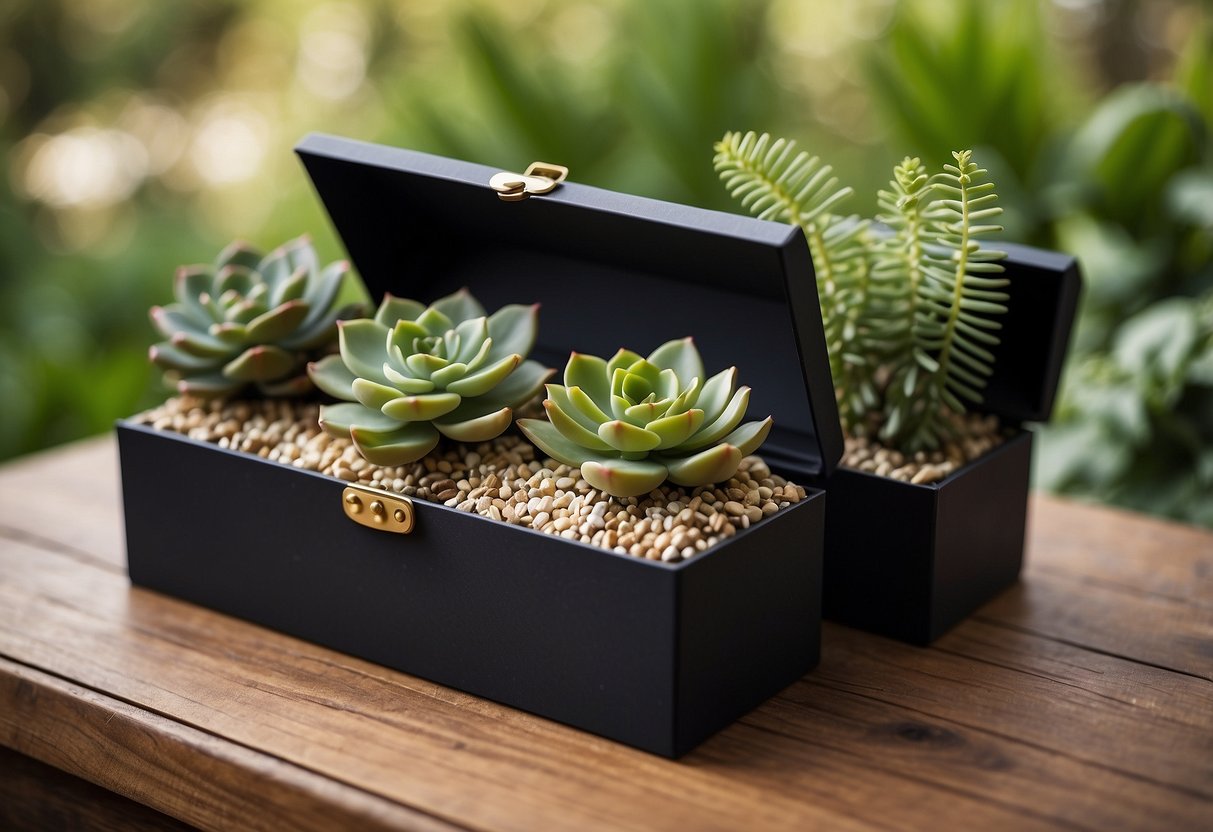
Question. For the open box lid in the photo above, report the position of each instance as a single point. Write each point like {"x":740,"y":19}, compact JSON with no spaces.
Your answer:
{"x":1035,"y":333}
{"x":610,"y":270}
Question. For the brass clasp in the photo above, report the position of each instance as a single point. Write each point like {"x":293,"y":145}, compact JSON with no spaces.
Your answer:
{"x":378,"y":509}
{"x":540,"y":178}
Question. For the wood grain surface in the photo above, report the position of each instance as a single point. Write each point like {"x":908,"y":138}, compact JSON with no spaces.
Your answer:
{"x":1080,"y":699}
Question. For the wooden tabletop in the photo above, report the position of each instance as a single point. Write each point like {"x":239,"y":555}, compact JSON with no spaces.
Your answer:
{"x":1080,"y":699}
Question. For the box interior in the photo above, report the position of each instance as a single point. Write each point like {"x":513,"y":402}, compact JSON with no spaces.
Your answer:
{"x":609,"y":270}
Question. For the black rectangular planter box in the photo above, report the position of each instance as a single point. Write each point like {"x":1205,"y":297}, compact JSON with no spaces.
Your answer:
{"x":911,"y":561}
{"x":656,"y":655}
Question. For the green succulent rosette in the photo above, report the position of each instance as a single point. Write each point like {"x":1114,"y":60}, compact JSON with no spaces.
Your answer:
{"x":631,"y":423}
{"x":415,"y":373}
{"x":251,"y":320}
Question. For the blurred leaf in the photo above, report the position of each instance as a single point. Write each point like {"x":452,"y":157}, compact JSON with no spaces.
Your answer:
{"x":1119,"y":268}
{"x":1127,"y":151}
{"x":966,"y":74}
{"x":1194,"y":73}
{"x":1190,"y":198}
{"x":689,"y":76}
{"x":1158,"y":341}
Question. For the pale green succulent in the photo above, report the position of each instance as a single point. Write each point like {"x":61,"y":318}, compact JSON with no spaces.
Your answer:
{"x":251,"y":320}
{"x":631,"y":423}
{"x":416,"y":373}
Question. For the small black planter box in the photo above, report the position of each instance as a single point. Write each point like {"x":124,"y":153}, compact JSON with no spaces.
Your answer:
{"x":655,"y":655}
{"x":910,"y":561}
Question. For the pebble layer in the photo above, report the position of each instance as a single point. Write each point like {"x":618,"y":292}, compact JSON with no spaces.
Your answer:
{"x":502,"y":480}
{"x":977,"y":435}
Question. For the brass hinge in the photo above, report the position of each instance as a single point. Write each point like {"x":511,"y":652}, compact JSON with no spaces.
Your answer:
{"x":378,"y":509}
{"x":540,"y":178}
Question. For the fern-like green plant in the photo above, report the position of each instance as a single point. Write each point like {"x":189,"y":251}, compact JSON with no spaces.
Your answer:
{"x":776,"y":182}
{"x":953,"y":330}
{"x":909,"y":315}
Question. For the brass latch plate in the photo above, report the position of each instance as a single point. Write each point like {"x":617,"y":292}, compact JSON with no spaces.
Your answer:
{"x":540,"y":178}
{"x":378,"y":509}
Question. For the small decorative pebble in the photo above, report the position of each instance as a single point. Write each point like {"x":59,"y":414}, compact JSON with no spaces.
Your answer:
{"x":502,"y":480}
{"x":975,"y":435}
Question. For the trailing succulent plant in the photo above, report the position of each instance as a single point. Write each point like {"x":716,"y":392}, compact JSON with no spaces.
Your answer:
{"x":251,"y":319}
{"x":631,"y":423}
{"x":909,"y":312}
{"x":415,"y":373}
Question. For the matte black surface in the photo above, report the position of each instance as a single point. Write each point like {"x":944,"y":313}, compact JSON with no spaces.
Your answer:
{"x":1035,"y":333}
{"x":610,"y":270}
{"x":655,"y":655}
{"x":911,"y":561}
{"x":726,"y":618}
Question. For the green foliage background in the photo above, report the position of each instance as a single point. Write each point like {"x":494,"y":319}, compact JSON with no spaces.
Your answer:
{"x":139,"y":135}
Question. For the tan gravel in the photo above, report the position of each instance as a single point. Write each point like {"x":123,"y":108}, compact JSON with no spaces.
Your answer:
{"x":502,"y":480}
{"x":976,"y":435}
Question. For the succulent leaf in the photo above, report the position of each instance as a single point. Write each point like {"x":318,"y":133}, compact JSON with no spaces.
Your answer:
{"x":480,"y":429}
{"x":667,"y":384}
{"x":191,"y":285}
{"x":544,"y":436}
{"x":587,"y":405}
{"x":622,"y":359}
{"x":290,"y":289}
{"x":460,"y":306}
{"x":630,"y":423}
{"x":626,"y":437}
{"x":624,"y":477}
{"x":591,"y":375}
{"x":394,"y":309}
{"x":370,"y":393}
{"x":635,"y":388}
{"x":717,"y":463}
{"x":406,"y":383}
{"x":681,"y":357}
{"x":450,"y":374}
{"x":523,"y":384}
{"x":338,"y":419}
{"x":676,"y":429}
{"x":513,"y":329}
{"x":718,"y":428}
{"x":749,"y":436}
{"x":648,"y":371}
{"x":174,"y":358}
{"x":261,"y":363}
{"x":422,"y":408}
{"x":237,"y":279}
{"x":200,"y":344}
{"x":413,"y":440}
{"x":435,"y":322}
{"x":404,"y":333}
{"x":252,"y":320}
{"x":277,"y":323}
{"x":432,"y":372}
{"x":559,"y":397}
{"x":205,"y":385}
{"x":716,"y":393}
{"x":424,"y":364}
{"x":362,"y":345}
{"x":477,"y":384}
{"x":239,"y":253}
{"x":687,"y":398}
{"x":169,"y":321}
{"x":474,"y":341}
{"x":573,"y":429}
